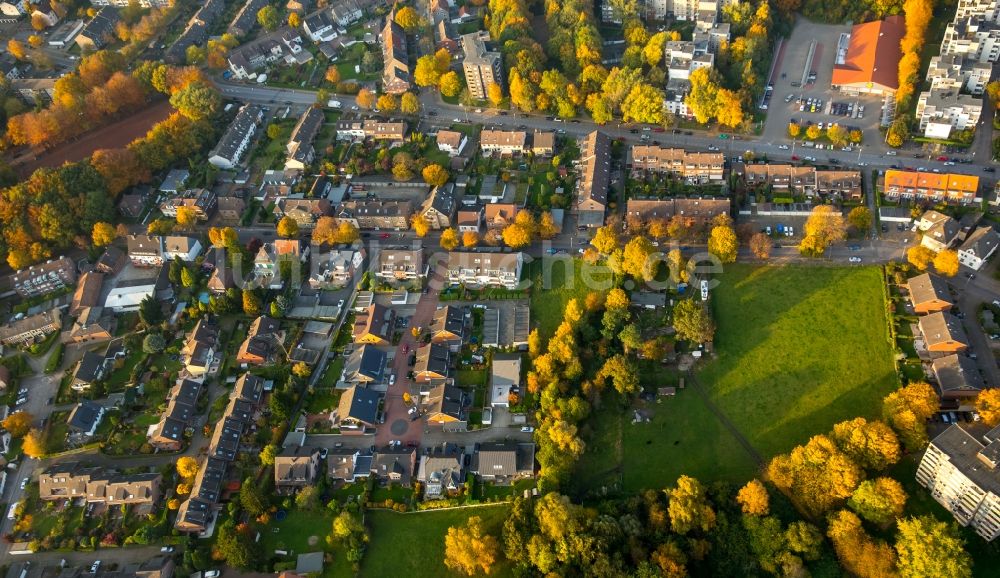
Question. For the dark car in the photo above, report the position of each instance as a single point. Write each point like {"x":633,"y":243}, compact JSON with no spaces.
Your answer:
{"x":503,"y":113}
{"x":688,"y":133}
{"x":432,"y":113}
{"x":634,"y":131}
{"x":989,"y":170}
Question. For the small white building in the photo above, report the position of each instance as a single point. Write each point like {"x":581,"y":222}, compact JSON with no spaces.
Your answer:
{"x":186,"y":248}
{"x":505,"y":376}
{"x":978,"y":247}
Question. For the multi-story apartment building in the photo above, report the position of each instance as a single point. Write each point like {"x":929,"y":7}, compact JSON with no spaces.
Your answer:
{"x":485,"y":269}
{"x":234,"y":142}
{"x":988,"y":9}
{"x":940,"y":111}
{"x":698,"y":166}
{"x":299,"y":148}
{"x":400,"y":264}
{"x":961,"y":473}
{"x":974,"y":38}
{"x":956,"y":73}
{"x":376,"y":214}
{"x":953,"y":188}
{"x":481,"y":65}
{"x":45,"y":277}
{"x":202,"y":201}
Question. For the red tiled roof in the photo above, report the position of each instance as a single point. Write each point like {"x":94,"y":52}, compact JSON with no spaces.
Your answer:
{"x":873,"y":54}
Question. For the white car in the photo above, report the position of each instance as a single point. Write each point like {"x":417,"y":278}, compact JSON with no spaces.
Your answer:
{"x":167,"y":549}
{"x":95,"y":566}
{"x":810,"y":159}
{"x":340,"y":303}
{"x":392,"y":379}
{"x":456,"y":120}
{"x":783,"y":147}
{"x":854,"y":259}
{"x":211,"y":574}
{"x":527,"y":429}
{"x":891,"y":153}
{"x":713,"y":148}
{"x":24,"y":483}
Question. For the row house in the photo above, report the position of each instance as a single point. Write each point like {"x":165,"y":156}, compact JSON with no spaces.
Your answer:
{"x":263,"y":342}
{"x":449,"y":327}
{"x":913,"y":185}
{"x":201,"y":347}
{"x":375,"y":325}
{"x":246,"y":18}
{"x":375,"y":214}
{"x":31,"y":328}
{"x":806,"y":181}
{"x":235,"y":142}
{"x":485,"y":269}
{"x":645,"y":211}
{"x":94,"y":485}
{"x":595,"y":177}
{"x":179,"y":416}
{"x":43,"y":278}
{"x":702,"y":167}
{"x":284,"y":44}
{"x":299,"y":148}
{"x":396,"y":76}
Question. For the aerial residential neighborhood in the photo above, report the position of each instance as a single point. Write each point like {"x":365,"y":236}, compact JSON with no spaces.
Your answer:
{"x":462,"y":288}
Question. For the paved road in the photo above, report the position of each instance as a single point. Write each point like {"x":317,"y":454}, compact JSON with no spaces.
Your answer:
{"x":447,"y":114}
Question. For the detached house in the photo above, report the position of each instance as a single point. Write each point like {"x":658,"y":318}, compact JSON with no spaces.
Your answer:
{"x":267,"y":263}
{"x":89,"y":370}
{"x":199,"y":351}
{"x":978,"y":247}
{"x":262,"y":341}
{"x":395,"y":465}
{"x":451,"y":142}
{"x":939,"y":230}
{"x":295,"y":468}
{"x":186,"y":249}
{"x":446,"y":406}
{"x":441,"y":472}
{"x":334,"y":269}
{"x":432,"y":364}
{"x":448,"y":327}
{"x":439,"y":208}
{"x":365,"y":365}
{"x":504,"y":462}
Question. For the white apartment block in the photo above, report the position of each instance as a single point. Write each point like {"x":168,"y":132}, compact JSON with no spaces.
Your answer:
{"x":961,"y":473}
{"x":960,"y":111}
{"x":973,"y":38}
{"x":988,"y":9}
{"x":956,"y":73}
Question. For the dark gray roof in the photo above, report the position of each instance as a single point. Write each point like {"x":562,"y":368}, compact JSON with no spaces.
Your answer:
{"x":90,"y":367}
{"x":245,"y":121}
{"x":84,"y":416}
{"x":958,"y":375}
{"x":360,"y":404}
{"x":366,"y":361}
{"x":102,"y":26}
{"x":981,"y":243}
{"x":967,"y":454}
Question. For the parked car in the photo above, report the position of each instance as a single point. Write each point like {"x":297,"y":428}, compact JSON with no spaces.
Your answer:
{"x":527,"y":429}
{"x":855,"y":259}
{"x":167,"y":549}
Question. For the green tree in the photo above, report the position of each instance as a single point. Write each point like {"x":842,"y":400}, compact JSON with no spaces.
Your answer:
{"x":693,"y":322}
{"x":153,"y":343}
{"x":860,"y":218}
{"x":197,"y":101}
{"x":689,"y":507}
{"x":150,"y":311}
{"x":251,"y":498}
{"x":880,"y":501}
{"x":268,"y":454}
{"x":269,"y":18}
{"x":234,"y":546}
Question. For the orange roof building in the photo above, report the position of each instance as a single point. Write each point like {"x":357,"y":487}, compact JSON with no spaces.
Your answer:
{"x":953,"y":188}
{"x":869,"y":64}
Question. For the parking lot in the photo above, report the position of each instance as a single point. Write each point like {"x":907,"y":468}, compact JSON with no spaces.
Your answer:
{"x":808,"y":98}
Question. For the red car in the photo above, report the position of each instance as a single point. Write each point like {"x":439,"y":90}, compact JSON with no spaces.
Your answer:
{"x":385,"y":235}
{"x":795,"y":157}
{"x":659,"y":129}
{"x":942,"y":158}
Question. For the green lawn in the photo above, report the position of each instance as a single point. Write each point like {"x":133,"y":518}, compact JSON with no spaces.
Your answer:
{"x":552,"y":288}
{"x":412,"y":545}
{"x":799,"y":349}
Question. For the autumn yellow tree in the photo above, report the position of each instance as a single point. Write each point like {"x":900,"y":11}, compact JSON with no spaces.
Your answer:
{"x":103,"y":234}
{"x":722,"y":243}
{"x":18,"y":424}
{"x":929,"y":547}
{"x":435,"y":175}
{"x":617,"y":299}
{"x":16,"y":49}
{"x":187,"y":467}
{"x":408,"y":18}
{"x":332,"y":74}
{"x":450,"y":84}
{"x":729,"y":108}
{"x":420,"y":225}
{"x":824,"y":226}
{"x":470,"y":239}
{"x":547,"y":226}
{"x":988,"y":406}
{"x":449,"y":239}
{"x":946,"y":263}
{"x":753,"y":498}
{"x":689,"y":507}
{"x":872,"y":444}
{"x":818,"y":474}
{"x":761,"y":245}
{"x":387,"y":103}
{"x":469,"y":549}
{"x":409,"y":103}
{"x":516,"y":235}
{"x":287,"y":228}
{"x":365,"y":99}
{"x":494,"y":93}
{"x":187,"y":217}
{"x":858,"y":553}
{"x":34,"y":444}
{"x":907,"y":410}
{"x":919,"y":256}
{"x":605,"y":240}
{"x":794,"y":129}
{"x":294,"y":20}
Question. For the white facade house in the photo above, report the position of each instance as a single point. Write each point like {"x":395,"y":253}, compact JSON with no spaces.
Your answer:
{"x":961,"y":474}
{"x":948,"y":107}
{"x":235,"y":142}
{"x":978,"y":247}
{"x":180,"y":247}
{"x":128,"y":298}
{"x":319,"y":26}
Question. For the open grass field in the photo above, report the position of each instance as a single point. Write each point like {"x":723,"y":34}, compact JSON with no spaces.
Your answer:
{"x":412,"y":545}
{"x":799,"y":349}
{"x":554,"y":282}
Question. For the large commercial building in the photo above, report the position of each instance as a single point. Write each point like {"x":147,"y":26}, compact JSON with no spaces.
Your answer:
{"x":868,"y":61}
{"x":482,"y":66}
{"x":961,"y":473}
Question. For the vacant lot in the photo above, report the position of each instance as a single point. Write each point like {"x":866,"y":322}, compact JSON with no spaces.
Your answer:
{"x":412,"y":545}
{"x":799,"y":349}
